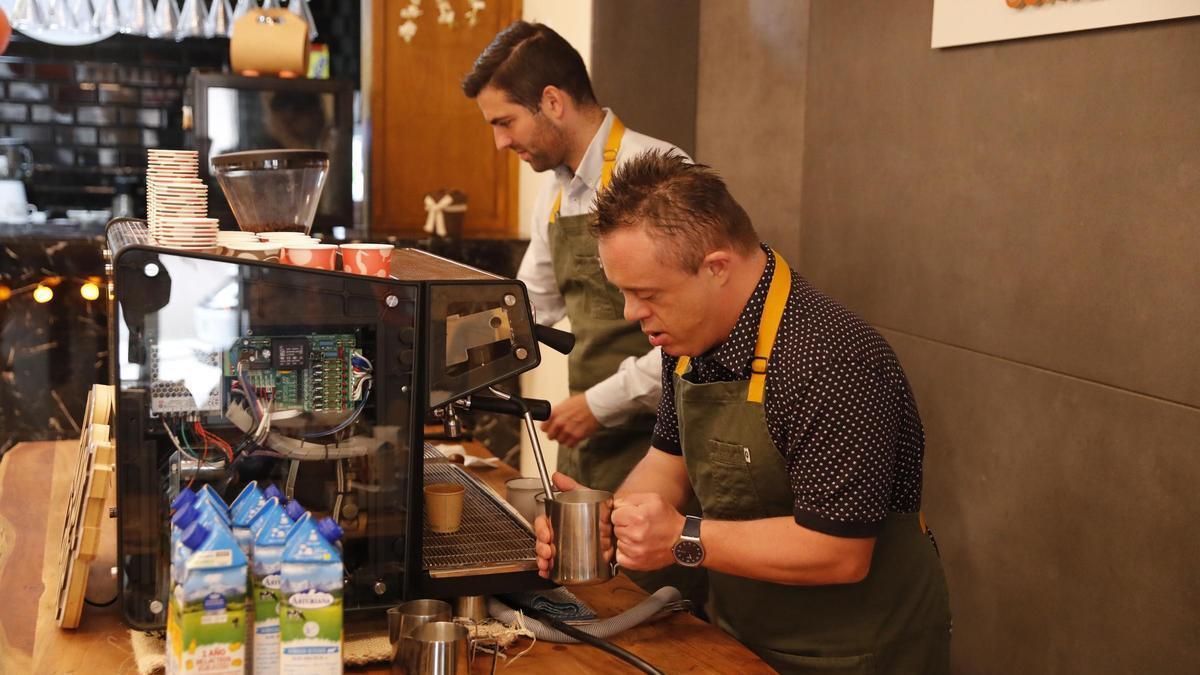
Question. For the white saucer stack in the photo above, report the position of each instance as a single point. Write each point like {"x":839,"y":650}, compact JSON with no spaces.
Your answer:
{"x":177,"y":201}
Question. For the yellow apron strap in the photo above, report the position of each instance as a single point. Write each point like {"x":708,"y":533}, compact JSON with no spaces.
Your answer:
{"x":777,"y":295}
{"x":557,"y":205}
{"x":610,"y":152}
{"x":611,"y":146}
{"x":682,"y":365}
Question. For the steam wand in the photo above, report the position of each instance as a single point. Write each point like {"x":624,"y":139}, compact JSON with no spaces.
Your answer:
{"x":533,"y":440}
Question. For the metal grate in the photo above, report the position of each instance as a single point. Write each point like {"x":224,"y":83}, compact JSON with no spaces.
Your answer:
{"x":491,"y":539}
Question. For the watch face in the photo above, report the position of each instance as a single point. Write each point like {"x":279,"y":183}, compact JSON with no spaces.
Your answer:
{"x":688,"y":553}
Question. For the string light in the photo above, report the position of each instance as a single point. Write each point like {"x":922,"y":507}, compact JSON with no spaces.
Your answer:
{"x":43,"y":289}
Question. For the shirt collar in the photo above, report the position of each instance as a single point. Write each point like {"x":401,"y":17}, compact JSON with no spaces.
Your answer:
{"x":737,"y":350}
{"x":593,"y":160}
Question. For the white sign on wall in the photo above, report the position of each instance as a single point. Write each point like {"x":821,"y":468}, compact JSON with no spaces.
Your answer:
{"x":963,"y":22}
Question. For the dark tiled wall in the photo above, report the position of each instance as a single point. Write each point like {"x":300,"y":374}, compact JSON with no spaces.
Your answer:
{"x":89,"y":113}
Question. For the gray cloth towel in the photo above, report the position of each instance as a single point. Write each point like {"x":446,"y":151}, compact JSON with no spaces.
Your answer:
{"x":556,"y":602}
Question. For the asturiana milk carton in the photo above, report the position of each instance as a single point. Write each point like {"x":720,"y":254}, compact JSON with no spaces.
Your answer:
{"x":242,"y":512}
{"x":209,"y":494}
{"x":212,"y":601}
{"x":310,"y":622}
{"x":190,"y":526}
{"x":271,"y":530}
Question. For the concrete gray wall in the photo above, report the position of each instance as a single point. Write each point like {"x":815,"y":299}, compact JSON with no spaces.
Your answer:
{"x":643,"y":65}
{"x":1020,"y":218}
{"x":750,"y":121}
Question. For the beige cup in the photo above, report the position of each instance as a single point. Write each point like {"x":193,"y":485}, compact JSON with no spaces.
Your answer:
{"x":443,"y":506}
{"x":253,"y":251}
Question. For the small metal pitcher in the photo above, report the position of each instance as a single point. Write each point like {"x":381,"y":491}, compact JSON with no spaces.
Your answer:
{"x":584,"y":545}
{"x":404,"y":620}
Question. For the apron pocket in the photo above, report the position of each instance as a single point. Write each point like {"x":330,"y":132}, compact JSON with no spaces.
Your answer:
{"x":731,"y":489}
{"x":600,"y":295}
{"x":789,"y":664}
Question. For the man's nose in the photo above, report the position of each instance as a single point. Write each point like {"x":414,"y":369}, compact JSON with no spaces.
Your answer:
{"x":503,"y":140}
{"x":635,"y":310}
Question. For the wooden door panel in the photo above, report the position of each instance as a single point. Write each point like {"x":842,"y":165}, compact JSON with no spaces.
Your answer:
{"x":425,"y":134}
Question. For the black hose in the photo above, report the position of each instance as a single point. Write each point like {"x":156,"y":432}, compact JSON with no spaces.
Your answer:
{"x":587,"y":638}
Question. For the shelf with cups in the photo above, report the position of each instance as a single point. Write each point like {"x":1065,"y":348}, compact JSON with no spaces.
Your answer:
{"x":81,"y":22}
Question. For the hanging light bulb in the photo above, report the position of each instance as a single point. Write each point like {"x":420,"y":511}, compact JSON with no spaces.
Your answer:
{"x":166,"y":19}
{"x":242,"y":7}
{"x":81,"y":15}
{"x":89,"y":291}
{"x":107,"y":18}
{"x":58,"y":17}
{"x":43,"y":294}
{"x":220,"y":20}
{"x":27,"y":14}
{"x":5,"y":293}
{"x":300,"y":8}
{"x":137,"y":17}
{"x":191,"y":20}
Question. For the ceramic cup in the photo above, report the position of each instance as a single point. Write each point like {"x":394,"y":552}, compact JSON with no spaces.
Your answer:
{"x":522,"y":494}
{"x":253,"y":251}
{"x":373,"y":260}
{"x":316,"y":256}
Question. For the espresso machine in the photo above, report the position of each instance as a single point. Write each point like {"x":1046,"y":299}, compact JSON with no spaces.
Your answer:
{"x":16,"y":162}
{"x":319,"y":382}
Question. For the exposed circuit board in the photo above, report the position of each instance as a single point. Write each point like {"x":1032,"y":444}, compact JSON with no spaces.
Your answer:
{"x":311,"y":373}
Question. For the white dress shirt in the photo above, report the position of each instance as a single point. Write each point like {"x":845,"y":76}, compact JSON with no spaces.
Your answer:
{"x":637,"y":384}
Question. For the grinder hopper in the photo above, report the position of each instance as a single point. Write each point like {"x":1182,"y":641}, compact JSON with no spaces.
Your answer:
{"x":273,"y":190}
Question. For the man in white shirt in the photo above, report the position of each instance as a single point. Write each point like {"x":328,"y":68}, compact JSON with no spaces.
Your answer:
{"x":533,"y":89}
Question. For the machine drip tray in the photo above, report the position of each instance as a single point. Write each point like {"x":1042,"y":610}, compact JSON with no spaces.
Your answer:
{"x":492,"y":539}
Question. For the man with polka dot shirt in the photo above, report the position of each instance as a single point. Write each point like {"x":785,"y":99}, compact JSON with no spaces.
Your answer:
{"x":791,"y":421}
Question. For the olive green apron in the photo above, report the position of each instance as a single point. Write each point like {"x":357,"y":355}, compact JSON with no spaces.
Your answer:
{"x":603,"y":339}
{"x":897,"y":620}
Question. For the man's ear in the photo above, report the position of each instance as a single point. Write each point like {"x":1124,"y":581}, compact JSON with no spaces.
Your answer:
{"x":553,"y":102}
{"x":716,"y":265}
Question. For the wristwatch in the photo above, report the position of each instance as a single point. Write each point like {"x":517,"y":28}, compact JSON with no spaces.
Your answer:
{"x":688,"y":550}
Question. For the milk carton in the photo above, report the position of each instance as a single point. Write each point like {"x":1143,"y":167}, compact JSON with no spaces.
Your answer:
{"x":190,"y":526}
{"x":242,"y":512}
{"x":212,"y":601}
{"x":207,"y":493}
{"x":181,"y":546}
{"x":310,"y":622}
{"x":271,"y":530}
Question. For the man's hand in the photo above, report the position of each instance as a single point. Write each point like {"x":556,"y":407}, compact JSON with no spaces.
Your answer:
{"x":541,"y":527}
{"x":647,"y":528}
{"x":571,"y":421}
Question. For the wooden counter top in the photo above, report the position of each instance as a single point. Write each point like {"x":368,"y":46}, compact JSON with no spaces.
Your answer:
{"x":35,"y":479}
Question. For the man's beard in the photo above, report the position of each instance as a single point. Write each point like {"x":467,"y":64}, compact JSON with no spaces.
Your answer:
{"x":549,"y":146}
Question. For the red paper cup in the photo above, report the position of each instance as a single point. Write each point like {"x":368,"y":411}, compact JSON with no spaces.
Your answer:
{"x":316,"y":256}
{"x":373,"y":260}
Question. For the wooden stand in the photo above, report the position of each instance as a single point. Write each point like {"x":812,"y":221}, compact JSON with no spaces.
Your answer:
{"x":86,"y":507}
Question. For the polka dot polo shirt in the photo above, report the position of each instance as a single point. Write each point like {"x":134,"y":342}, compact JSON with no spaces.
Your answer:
{"x":838,"y":408}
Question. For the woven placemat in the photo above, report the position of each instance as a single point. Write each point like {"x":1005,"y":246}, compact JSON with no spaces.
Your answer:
{"x":149,"y":649}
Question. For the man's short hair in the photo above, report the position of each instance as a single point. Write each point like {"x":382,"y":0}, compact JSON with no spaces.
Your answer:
{"x":525,"y":58}
{"x":684,"y":207}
